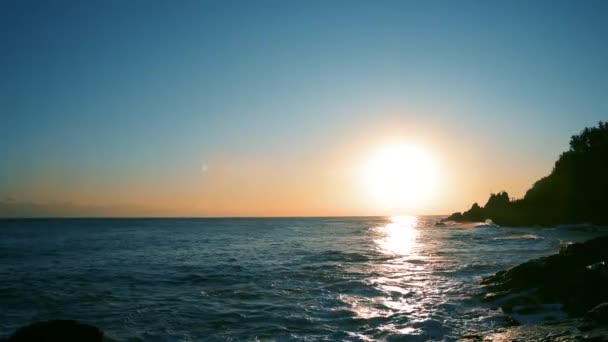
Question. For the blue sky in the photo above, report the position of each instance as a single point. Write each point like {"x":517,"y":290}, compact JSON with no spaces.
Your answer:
{"x":106,"y":93}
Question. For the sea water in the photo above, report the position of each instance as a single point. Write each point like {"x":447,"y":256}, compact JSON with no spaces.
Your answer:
{"x":359,"y":278}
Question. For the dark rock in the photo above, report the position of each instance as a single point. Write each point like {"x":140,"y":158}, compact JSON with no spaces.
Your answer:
{"x":567,"y":330}
{"x":455,"y":217}
{"x":561,"y":278}
{"x":471,"y":336}
{"x":598,"y":314}
{"x":475,"y":214}
{"x":507,"y":308}
{"x":57,"y":331}
{"x":511,"y":322}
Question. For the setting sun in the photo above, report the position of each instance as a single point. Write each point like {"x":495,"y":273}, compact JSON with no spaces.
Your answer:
{"x":400,"y":177}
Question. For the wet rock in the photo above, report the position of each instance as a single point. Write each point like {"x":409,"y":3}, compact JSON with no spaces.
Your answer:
{"x":471,"y":337}
{"x":567,"y":330}
{"x":598,"y":314}
{"x":511,"y":322}
{"x":507,"y":308}
{"x":57,"y":331}
{"x":563,"y":278}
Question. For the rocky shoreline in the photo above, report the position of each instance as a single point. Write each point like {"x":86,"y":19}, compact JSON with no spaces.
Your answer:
{"x":57,"y":330}
{"x":575,"y":281}
{"x":566,"y":330}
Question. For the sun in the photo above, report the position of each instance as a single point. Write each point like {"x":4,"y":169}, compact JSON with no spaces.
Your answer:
{"x":400,"y":177}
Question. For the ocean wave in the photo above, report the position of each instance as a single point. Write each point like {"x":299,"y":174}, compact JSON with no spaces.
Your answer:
{"x":520,"y":237}
{"x":288,"y":279}
{"x":339,"y":256}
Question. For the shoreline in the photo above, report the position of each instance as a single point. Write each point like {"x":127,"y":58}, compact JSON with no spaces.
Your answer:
{"x":502,"y":307}
{"x":574,"y":281}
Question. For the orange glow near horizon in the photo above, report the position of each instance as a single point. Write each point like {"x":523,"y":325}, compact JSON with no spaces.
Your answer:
{"x":370,"y":175}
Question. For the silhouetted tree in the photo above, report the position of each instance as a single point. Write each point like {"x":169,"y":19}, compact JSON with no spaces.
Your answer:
{"x":576,"y":190}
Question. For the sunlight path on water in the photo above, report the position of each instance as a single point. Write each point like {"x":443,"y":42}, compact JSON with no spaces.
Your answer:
{"x":303,"y":279}
{"x":408,"y":278}
{"x":400,"y":235}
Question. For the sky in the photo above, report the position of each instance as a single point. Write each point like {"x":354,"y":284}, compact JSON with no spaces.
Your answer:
{"x":269,"y":108}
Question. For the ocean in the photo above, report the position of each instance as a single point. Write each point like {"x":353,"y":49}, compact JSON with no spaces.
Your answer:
{"x":245,"y":279}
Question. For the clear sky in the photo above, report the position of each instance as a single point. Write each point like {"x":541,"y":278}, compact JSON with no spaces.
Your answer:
{"x":265,"y":108}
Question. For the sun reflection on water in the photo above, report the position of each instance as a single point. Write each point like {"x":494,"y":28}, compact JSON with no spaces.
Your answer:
{"x":412,"y":285}
{"x":399,"y":278}
{"x":399,"y":235}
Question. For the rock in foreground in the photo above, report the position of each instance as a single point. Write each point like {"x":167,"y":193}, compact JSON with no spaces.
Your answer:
{"x":568,"y":330}
{"x":576,"y":277}
{"x":56,"y":331}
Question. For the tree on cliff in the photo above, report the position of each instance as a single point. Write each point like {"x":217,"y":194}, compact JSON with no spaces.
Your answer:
{"x":576,"y":190}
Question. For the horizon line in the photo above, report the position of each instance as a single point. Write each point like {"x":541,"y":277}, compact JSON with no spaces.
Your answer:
{"x":198,"y":217}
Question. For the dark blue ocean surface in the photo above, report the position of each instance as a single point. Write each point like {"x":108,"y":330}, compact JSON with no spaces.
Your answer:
{"x":354,"y":279}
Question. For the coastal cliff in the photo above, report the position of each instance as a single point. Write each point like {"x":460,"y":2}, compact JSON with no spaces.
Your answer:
{"x":576,"y":191}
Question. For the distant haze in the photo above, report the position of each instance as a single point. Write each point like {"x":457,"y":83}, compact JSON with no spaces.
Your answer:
{"x":270,"y":108}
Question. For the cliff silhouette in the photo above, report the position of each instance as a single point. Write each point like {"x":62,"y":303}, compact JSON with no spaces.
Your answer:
{"x":576,"y":191}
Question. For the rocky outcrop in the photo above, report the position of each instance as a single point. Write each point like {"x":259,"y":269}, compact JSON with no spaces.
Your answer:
{"x":574,"y":192}
{"x":576,"y":278}
{"x":58,"y":330}
{"x":564,"y":331}
{"x":598,"y":315}
{"x":496,"y":206}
